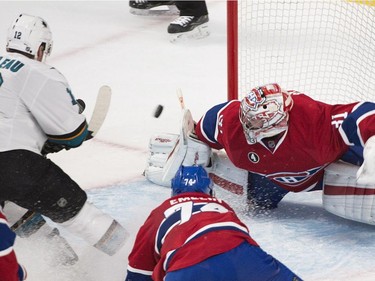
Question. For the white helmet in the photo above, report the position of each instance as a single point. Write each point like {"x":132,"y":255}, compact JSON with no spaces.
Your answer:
{"x":264,"y":112}
{"x":27,"y":33}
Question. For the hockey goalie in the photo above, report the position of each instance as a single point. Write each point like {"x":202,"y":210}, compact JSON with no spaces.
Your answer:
{"x":275,"y":141}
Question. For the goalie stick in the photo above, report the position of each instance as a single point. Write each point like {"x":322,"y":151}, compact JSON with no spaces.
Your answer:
{"x":32,"y":221}
{"x":178,"y":153}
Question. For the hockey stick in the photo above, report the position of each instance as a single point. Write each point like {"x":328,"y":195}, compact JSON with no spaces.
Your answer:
{"x":99,"y":114}
{"x":180,"y":98}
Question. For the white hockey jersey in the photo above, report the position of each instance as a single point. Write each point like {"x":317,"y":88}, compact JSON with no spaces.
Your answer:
{"x":36,"y":103}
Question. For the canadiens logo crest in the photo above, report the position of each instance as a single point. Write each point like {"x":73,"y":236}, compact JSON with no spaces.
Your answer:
{"x":293,"y":179}
{"x":254,"y":98}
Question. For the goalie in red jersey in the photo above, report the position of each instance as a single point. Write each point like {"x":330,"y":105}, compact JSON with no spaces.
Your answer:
{"x":286,"y":140}
{"x":194,"y":236}
{"x":279,"y":141}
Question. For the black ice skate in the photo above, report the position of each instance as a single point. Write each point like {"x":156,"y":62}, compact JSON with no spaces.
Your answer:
{"x":152,"y":8}
{"x":189,"y":27}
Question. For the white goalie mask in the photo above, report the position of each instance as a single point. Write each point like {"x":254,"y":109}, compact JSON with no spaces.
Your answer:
{"x":27,"y":33}
{"x":264,"y":112}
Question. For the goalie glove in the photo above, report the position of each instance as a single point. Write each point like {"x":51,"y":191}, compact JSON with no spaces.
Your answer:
{"x":167,"y":152}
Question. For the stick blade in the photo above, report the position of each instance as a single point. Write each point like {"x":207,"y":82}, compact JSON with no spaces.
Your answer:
{"x":101,"y":108}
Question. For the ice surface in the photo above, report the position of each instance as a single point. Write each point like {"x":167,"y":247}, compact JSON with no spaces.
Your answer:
{"x":98,"y":43}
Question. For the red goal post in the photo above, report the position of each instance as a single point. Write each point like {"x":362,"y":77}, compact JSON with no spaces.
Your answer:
{"x":325,"y":48}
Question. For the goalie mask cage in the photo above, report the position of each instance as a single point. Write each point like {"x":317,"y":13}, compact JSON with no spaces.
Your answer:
{"x":324,"y":48}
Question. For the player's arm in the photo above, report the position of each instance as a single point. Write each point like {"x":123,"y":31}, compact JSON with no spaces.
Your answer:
{"x":358,"y":130}
{"x":208,"y":126}
{"x":142,"y":258}
{"x":58,"y":113}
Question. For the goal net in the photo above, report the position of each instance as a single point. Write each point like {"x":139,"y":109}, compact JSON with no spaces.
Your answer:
{"x":324,"y":48}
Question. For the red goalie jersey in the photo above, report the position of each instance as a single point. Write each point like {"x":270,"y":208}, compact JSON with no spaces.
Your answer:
{"x":317,"y":135}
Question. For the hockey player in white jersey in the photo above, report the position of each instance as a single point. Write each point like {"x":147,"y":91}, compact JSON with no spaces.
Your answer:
{"x":39,"y":115}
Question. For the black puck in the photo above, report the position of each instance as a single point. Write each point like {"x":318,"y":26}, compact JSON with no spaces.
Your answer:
{"x":158,"y":111}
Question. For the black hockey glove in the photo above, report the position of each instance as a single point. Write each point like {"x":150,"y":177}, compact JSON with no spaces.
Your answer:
{"x":51,"y":147}
{"x":89,"y":135}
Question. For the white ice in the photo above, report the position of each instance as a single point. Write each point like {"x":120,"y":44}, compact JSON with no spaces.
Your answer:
{"x":98,"y":43}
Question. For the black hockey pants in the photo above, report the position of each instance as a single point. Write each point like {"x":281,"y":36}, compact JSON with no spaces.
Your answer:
{"x":36,"y":183}
{"x":192,"y":8}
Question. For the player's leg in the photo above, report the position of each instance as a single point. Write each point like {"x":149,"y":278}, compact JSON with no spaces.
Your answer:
{"x":262,"y":194}
{"x":192,"y":8}
{"x":148,"y":4}
{"x":243,"y":263}
{"x":151,"y":7}
{"x":256,"y":264}
{"x":193,"y":17}
{"x":47,"y":189}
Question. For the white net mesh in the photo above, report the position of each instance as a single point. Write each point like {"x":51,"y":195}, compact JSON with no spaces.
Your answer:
{"x":325,"y":48}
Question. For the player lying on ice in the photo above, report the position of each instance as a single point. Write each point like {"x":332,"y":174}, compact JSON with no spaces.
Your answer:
{"x":277,"y":142}
{"x":195,"y":236}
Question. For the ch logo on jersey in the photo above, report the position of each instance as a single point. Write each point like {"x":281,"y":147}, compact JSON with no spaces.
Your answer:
{"x":253,"y":157}
{"x":254,"y":98}
{"x":293,"y":179}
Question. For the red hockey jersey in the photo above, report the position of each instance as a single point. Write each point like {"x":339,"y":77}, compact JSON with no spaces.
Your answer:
{"x":314,"y":139}
{"x":8,"y":262}
{"x":185,"y":230}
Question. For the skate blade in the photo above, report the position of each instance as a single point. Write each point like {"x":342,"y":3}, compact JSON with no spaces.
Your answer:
{"x":157,"y":11}
{"x":66,"y":255}
{"x":199,"y":32}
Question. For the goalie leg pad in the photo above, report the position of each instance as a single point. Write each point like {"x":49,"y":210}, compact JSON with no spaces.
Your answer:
{"x":345,"y":197}
{"x":227,"y":176}
{"x":98,"y":229}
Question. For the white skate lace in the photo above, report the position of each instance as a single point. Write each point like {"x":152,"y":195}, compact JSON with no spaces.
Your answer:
{"x":183,"y":20}
{"x":141,"y":1}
